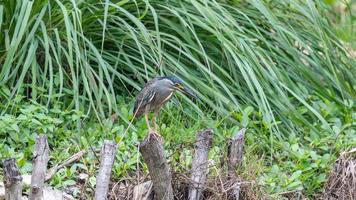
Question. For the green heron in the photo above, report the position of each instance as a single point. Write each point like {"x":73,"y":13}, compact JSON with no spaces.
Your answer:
{"x":155,"y":93}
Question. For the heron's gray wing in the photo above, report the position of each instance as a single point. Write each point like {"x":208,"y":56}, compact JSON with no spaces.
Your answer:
{"x":144,"y":97}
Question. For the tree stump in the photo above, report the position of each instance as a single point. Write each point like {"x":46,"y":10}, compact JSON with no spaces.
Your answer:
{"x":153,"y":154}
{"x":235,"y":154}
{"x":200,"y":163}
{"x":41,"y":157}
{"x":107,"y":157}
{"x":12,"y":180}
{"x":235,"y":151}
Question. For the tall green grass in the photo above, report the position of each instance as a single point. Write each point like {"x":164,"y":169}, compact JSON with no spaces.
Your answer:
{"x":272,"y":55}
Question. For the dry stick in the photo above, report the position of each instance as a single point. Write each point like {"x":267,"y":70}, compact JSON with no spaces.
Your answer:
{"x":235,"y":153}
{"x":67,"y":162}
{"x":236,"y":191}
{"x":153,"y":154}
{"x":12,"y":180}
{"x":41,"y":157}
{"x":143,"y":191}
{"x":107,"y":157}
{"x":200,"y":163}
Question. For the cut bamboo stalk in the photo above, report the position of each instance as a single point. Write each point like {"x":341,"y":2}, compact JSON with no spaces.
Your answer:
{"x":12,"y":180}
{"x":153,"y":154}
{"x":107,"y":157}
{"x":41,"y":157}
{"x":200,"y":164}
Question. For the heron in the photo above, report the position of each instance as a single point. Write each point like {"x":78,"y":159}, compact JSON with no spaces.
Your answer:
{"x":155,"y":94}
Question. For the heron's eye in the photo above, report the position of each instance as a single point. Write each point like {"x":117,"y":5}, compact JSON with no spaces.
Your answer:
{"x":178,"y":85}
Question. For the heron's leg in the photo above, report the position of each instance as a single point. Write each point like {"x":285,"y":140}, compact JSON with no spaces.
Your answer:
{"x":154,"y":120}
{"x":148,"y":123}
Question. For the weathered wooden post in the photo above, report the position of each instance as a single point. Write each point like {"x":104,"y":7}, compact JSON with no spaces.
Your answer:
{"x":41,"y":157}
{"x":200,"y":163}
{"x":107,"y":157}
{"x":235,"y":151}
{"x":235,"y":154}
{"x":12,"y":180}
{"x":153,"y":154}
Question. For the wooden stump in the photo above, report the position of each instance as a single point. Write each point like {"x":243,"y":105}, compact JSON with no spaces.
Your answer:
{"x":235,"y":154}
{"x":235,"y":151}
{"x":41,"y":157}
{"x":107,"y":157}
{"x":12,"y":180}
{"x":153,"y":154}
{"x":200,"y":163}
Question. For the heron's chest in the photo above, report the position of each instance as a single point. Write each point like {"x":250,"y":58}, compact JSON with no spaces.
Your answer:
{"x":162,"y":97}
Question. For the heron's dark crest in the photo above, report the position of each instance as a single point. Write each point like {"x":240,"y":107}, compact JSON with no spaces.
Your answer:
{"x":174,"y":79}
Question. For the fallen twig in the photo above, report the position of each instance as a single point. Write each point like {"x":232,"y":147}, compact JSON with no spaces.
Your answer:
{"x":51,"y":172}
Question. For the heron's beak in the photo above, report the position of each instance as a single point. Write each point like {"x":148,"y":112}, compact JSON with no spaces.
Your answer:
{"x":187,"y":91}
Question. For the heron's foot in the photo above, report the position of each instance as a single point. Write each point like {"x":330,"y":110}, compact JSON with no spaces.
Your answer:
{"x":156,"y":135}
{"x":151,"y":131}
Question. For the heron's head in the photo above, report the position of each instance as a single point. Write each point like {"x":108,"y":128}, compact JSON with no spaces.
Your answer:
{"x":178,"y":84}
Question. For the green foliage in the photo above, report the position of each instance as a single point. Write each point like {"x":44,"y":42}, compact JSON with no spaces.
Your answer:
{"x":302,"y":163}
{"x":18,"y":132}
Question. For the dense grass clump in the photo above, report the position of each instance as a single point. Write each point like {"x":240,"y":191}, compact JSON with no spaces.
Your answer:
{"x":271,"y":56}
